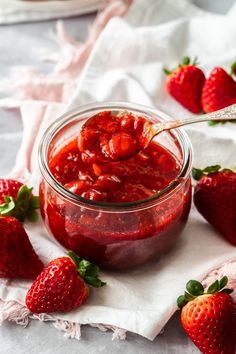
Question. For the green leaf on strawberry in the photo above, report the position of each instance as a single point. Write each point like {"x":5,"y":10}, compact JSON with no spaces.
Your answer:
{"x":181,"y":301}
{"x":208,"y":318}
{"x":213,"y":288}
{"x":223,"y":282}
{"x":188,"y":297}
{"x":34,"y":202}
{"x":22,"y":206}
{"x":185,"y":61}
{"x":8,"y":206}
{"x":198,"y":173}
{"x":31,"y":215}
{"x":219,"y":286}
{"x":87,"y":270}
{"x":95,"y":282}
{"x":233,"y":69}
{"x":195,"y":289}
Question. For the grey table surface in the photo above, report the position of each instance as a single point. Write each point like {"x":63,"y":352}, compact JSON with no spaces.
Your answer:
{"x":18,"y":46}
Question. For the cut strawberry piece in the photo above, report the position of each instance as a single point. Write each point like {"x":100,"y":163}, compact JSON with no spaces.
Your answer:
{"x":108,"y":183}
{"x":127,"y":122}
{"x":78,"y":187}
{"x":97,"y":169}
{"x":109,"y":137}
{"x":122,"y":145}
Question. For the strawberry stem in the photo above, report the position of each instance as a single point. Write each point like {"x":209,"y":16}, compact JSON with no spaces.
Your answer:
{"x":233,"y":69}
{"x":195,"y":61}
{"x":195,"y":289}
{"x":87,"y":270}
{"x":198,"y":173}
{"x":8,"y":206}
{"x":185,"y":61}
{"x":23,"y":206}
{"x":214,"y":287}
{"x":167,"y":71}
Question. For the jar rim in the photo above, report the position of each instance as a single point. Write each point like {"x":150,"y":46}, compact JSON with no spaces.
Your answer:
{"x":156,"y":198}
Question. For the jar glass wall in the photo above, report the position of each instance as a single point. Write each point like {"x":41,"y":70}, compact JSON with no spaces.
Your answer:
{"x":115,"y":235}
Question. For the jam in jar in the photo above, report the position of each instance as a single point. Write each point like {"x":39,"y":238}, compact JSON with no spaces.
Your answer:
{"x":117,"y":214}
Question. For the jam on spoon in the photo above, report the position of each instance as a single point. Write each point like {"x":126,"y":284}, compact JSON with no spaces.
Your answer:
{"x":107,"y":137}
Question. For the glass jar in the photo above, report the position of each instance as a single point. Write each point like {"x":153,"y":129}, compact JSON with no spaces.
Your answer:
{"x":115,"y":235}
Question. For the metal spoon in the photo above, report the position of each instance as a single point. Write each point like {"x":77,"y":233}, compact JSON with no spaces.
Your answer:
{"x":227,"y":113}
{"x":93,"y":151}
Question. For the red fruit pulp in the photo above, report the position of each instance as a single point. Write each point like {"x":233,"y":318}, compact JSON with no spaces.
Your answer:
{"x":120,"y":238}
{"x":108,"y":137}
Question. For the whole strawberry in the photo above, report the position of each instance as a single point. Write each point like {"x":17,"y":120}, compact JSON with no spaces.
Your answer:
{"x":185,"y":84}
{"x":209,"y":318}
{"x":62,"y":285}
{"x":17,"y":256}
{"x":215,"y":198}
{"x":17,"y":200}
{"x":219,"y":90}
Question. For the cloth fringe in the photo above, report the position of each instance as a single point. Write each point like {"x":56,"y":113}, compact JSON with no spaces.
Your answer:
{"x":71,"y":329}
{"x":118,"y":333}
{"x":14,"y":312}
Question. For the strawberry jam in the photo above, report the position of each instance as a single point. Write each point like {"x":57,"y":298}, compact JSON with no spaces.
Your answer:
{"x":110,"y":137}
{"x":116,"y":220}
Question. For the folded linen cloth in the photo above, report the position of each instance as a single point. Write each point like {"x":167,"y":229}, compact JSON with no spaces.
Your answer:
{"x":15,"y":11}
{"x":126,"y":64}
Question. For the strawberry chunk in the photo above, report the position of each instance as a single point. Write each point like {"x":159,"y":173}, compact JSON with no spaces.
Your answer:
{"x":108,"y":183}
{"x":122,"y":145}
{"x":78,"y":187}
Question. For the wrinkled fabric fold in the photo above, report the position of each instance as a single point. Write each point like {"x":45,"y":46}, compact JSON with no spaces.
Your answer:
{"x":125,"y":62}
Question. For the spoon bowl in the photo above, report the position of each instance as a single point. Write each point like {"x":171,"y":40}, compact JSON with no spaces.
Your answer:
{"x":109,"y":137}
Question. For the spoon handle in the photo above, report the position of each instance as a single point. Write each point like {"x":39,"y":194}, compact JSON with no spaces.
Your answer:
{"x":227,"y":113}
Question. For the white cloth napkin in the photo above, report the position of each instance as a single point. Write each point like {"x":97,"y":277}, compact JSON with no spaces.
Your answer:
{"x":126,"y":64}
{"x":13,"y":11}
